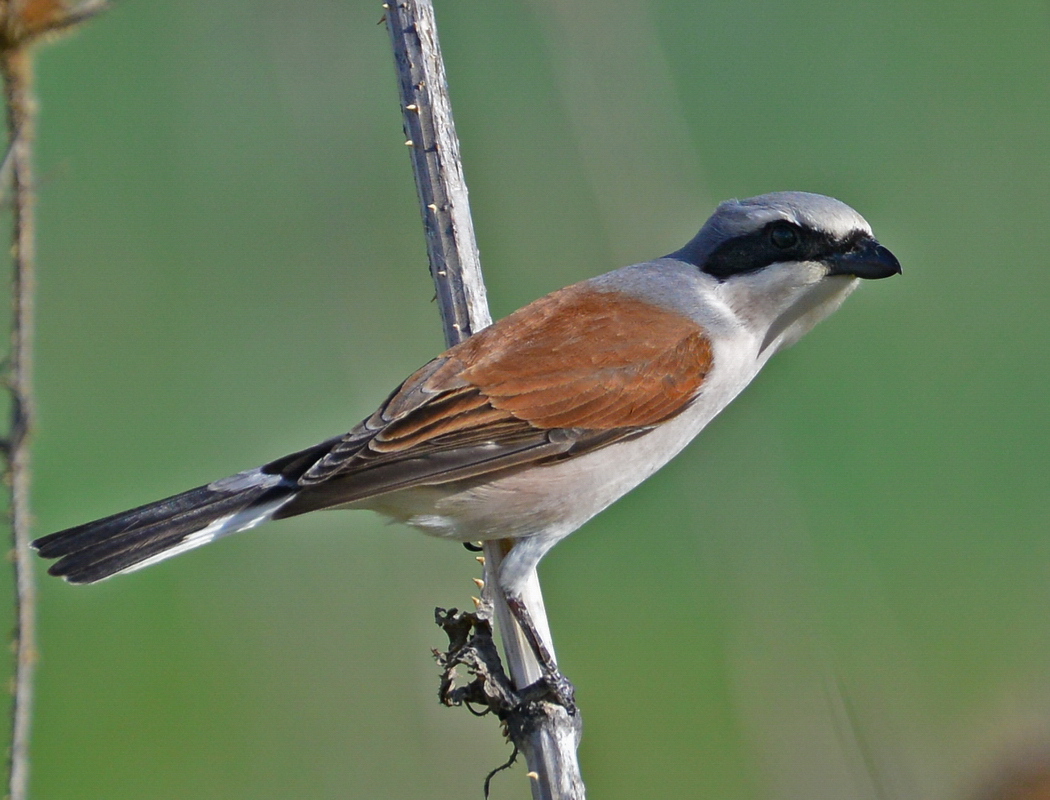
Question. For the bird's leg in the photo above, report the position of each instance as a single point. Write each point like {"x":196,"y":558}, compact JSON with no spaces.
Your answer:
{"x":553,"y":684}
{"x":516,"y":571}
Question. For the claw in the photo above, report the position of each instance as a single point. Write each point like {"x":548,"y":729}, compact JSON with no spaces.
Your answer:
{"x":552,"y":687}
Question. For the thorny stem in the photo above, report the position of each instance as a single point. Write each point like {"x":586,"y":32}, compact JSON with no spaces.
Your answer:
{"x":16,"y":66}
{"x":22,"y":23}
{"x":550,"y":748}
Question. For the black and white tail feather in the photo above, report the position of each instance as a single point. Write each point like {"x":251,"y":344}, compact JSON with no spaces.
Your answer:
{"x":132,"y":540}
{"x":143,"y":536}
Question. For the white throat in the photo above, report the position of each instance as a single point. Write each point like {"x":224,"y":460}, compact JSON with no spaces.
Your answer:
{"x":783,"y":302}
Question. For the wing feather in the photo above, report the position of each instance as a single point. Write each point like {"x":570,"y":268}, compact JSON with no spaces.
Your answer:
{"x":576,"y":370}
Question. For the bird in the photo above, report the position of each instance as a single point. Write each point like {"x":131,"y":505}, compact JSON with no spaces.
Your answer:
{"x":535,"y":424}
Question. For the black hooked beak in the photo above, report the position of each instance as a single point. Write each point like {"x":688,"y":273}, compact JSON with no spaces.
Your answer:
{"x":868,"y":259}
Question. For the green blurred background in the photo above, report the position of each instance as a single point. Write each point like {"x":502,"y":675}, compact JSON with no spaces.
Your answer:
{"x":842,"y":590}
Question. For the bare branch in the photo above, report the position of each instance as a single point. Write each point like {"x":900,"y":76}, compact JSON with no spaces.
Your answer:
{"x":16,"y":66}
{"x":431,"y":137}
{"x":22,"y":24}
{"x":550,"y":744}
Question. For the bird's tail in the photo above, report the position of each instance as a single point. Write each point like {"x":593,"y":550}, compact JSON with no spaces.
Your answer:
{"x":145,"y":535}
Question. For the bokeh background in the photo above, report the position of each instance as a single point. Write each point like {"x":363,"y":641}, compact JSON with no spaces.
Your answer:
{"x":841,"y":590}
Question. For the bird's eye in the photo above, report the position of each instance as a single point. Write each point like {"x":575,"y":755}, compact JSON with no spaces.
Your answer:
{"x":784,"y":236}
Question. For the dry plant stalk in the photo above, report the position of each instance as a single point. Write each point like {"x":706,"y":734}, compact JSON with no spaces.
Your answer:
{"x":22,"y":24}
{"x":547,"y":734}
{"x":16,"y":66}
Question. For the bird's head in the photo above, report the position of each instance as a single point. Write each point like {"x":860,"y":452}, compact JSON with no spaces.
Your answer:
{"x":784,"y":261}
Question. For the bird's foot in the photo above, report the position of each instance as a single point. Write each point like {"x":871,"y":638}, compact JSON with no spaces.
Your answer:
{"x":553,"y":687}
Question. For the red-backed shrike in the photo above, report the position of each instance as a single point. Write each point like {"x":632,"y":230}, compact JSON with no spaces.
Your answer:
{"x":532,"y":426}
